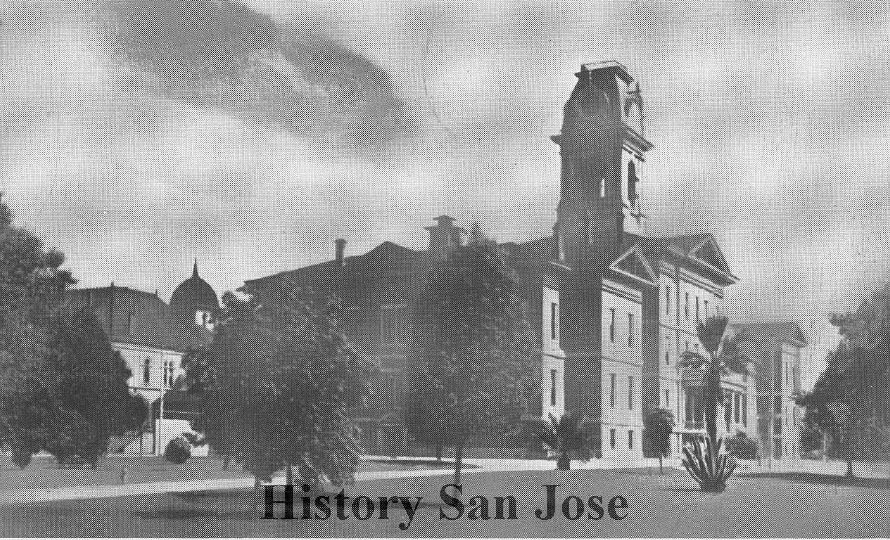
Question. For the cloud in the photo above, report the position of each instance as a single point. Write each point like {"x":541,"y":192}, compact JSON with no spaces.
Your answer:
{"x":137,"y":135}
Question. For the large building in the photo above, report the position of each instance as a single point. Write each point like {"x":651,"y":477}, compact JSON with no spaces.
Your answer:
{"x":152,"y":337}
{"x":615,"y":308}
{"x":775,"y":348}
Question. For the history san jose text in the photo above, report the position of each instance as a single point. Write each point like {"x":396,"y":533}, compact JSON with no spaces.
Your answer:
{"x":453,"y":505}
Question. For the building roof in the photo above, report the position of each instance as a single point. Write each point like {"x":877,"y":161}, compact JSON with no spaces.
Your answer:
{"x":193,"y":294}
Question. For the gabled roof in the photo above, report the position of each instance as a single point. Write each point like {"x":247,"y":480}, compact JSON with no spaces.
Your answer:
{"x":633,"y":264}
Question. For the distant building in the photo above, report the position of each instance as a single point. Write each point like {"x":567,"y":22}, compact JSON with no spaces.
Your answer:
{"x":615,"y":308}
{"x":152,"y":338}
{"x":776,"y":350}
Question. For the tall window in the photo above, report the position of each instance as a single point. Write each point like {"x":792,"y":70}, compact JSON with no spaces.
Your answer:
{"x":630,"y":330}
{"x":706,"y":309}
{"x":631,"y":182}
{"x":612,"y":379}
{"x":630,"y":392}
{"x":612,"y":438}
{"x":686,"y":305}
{"x":667,"y":358}
{"x":168,"y":373}
{"x":744,"y":409}
{"x":612,"y":324}
{"x":687,"y":345}
{"x":552,"y":387}
{"x":146,"y":371}
{"x":697,"y":312}
{"x":554,"y":321}
{"x":667,"y":299}
{"x":737,"y":402}
{"x":602,"y":187}
{"x":630,"y":439}
{"x":727,"y":408}
{"x":667,"y":398}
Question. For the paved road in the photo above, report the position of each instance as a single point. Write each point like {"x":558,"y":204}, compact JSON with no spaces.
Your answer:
{"x":22,"y":496}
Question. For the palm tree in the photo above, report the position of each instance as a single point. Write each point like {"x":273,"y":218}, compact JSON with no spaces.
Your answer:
{"x":563,"y":436}
{"x":723,"y":356}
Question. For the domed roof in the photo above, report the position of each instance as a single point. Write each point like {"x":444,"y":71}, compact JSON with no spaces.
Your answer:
{"x":193,"y":294}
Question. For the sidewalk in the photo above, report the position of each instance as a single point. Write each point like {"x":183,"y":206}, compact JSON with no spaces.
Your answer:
{"x":30,"y":496}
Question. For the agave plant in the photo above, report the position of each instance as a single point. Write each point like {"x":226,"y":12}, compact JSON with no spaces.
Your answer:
{"x":706,"y":465}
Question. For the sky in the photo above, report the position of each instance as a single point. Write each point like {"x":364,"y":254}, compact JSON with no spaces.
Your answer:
{"x":139,"y":136}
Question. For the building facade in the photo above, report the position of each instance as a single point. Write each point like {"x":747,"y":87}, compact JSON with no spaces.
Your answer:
{"x":152,"y":337}
{"x":615,"y":308}
{"x":776,"y":349}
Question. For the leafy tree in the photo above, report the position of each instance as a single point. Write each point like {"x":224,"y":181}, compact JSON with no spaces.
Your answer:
{"x":851,"y":398}
{"x":564,"y":437}
{"x":474,"y":348}
{"x":276,"y":384}
{"x":87,"y":383}
{"x":658,"y":424}
{"x":32,"y":285}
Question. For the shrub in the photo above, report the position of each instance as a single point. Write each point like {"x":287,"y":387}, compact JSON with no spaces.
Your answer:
{"x":741,"y":446}
{"x":178,"y":451}
{"x":706,"y":465}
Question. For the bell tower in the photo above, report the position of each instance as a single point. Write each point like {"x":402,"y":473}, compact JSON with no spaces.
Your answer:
{"x":601,"y":148}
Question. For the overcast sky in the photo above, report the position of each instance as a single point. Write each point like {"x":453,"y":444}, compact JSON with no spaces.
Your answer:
{"x":138,"y":136}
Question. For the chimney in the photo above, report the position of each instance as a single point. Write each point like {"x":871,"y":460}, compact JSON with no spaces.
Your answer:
{"x":339,"y":250}
{"x":444,"y":237}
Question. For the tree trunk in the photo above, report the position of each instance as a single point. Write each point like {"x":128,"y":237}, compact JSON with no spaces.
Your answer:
{"x":712,"y":390}
{"x":226,"y":462}
{"x":289,"y":475}
{"x":458,"y":462}
{"x":439,"y":451}
{"x":257,"y":492}
{"x":564,"y":463}
{"x":660,"y":465}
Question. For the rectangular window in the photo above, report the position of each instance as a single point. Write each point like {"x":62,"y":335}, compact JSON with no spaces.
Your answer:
{"x":667,"y":358}
{"x":706,"y":309}
{"x":667,"y":398}
{"x":612,"y":325}
{"x":630,"y":392}
{"x":689,"y":410}
{"x":552,"y":387}
{"x":667,"y":299}
{"x":612,"y":438}
{"x":738,"y":405}
{"x":697,"y":313}
{"x":612,"y":378}
{"x":727,"y":407}
{"x":146,"y":371}
{"x":744,"y":409}
{"x":630,"y":330}
{"x":554,"y":321}
{"x":686,"y":306}
{"x":630,"y":439}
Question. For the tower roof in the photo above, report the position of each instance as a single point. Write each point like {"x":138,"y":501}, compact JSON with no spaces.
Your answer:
{"x":192,"y":294}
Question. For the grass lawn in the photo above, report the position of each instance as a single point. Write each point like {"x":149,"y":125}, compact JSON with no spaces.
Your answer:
{"x":43,"y":473}
{"x":668,"y":505}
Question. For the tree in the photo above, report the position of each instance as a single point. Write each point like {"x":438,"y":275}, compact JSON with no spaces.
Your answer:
{"x":564,"y":437}
{"x":87,"y":384}
{"x":723,"y":356}
{"x":474,"y":348}
{"x":658,"y":424}
{"x":32,"y":286}
{"x":276,"y":384}
{"x":703,"y":461}
{"x":851,"y":398}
